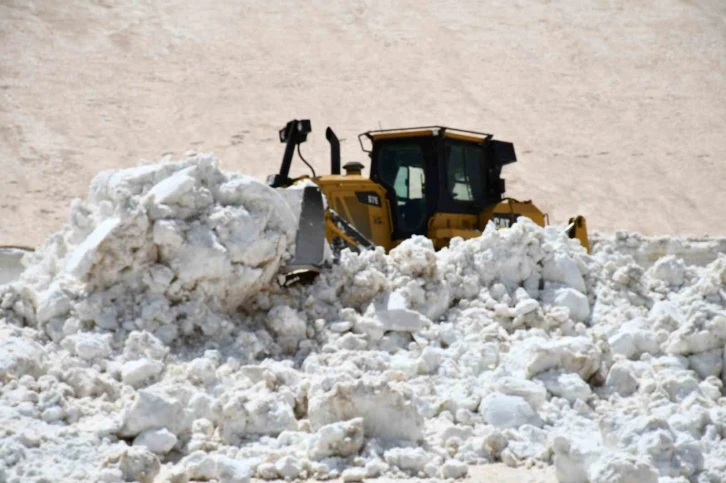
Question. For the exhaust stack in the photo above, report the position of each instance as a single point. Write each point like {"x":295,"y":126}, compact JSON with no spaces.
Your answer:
{"x":334,"y":151}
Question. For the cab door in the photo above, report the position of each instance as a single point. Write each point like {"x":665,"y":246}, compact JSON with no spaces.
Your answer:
{"x":403,"y":167}
{"x":463,"y":173}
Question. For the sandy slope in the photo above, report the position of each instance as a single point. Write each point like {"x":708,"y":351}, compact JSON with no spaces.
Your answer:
{"x":617,"y":109}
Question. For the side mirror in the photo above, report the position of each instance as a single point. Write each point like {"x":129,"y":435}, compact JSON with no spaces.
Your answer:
{"x":303,"y":128}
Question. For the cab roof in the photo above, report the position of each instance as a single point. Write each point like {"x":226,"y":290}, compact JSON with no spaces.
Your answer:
{"x":448,"y":132}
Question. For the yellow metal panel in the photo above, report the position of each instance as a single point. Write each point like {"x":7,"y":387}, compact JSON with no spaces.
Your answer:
{"x":512,"y":209}
{"x":443,"y":236}
{"x":453,"y":220}
{"x":402,"y":134}
{"x":330,"y":179}
{"x":372,"y":221}
{"x":465,"y":137}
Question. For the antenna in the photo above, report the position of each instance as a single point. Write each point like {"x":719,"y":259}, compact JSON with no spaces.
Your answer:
{"x":379,"y":126}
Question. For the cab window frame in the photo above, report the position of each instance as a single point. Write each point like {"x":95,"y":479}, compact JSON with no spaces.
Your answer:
{"x":449,"y":203}
{"x":428,"y":192}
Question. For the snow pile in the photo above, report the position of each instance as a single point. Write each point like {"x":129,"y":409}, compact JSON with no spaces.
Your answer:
{"x":161,"y":248}
{"x":648,"y":250}
{"x":149,"y":341}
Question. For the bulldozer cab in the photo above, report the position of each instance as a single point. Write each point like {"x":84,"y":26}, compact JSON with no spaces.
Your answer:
{"x":433,"y":170}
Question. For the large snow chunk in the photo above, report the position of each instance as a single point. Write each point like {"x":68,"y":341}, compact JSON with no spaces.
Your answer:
{"x":256,"y":413}
{"x":454,"y":469}
{"x":634,"y":339}
{"x":561,"y":268}
{"x":159,"y":441}
{"x":169,"y":233}
{"x":622,"y":468}
{"x":201,"y":256}
{"x":708,"y":363}
{"x":172,"y":189}
{"x":256,"y":197}
{"x":152,"y":410}
{"x":525,"y":307}
{"x":135,"y":373}
{"x":198,"y":466}
{"x":533,"y":392}
{"x":570,"y":354}
{"x":387,"y":413}
{"x":140,"y":345}
{"x":565,"y":385}
{"x":622,"y":379}
{"x":288,"y":325}
{"x":411,"y":460}
{"x":575,"y":301}
{"x":337,"y":439}
{"x":20,"y":356}
{"x":244,"y":236}
{"x":574,"y":454}
{"x":288,"y":468}
{"x":415,"y":257}
{"x":699,"y":334}
{"x":89,"y":346}
{"x":135,"y":463}
{"x":232,"y":471}
{"x":669,"y":269}
{"x":203,"y":370}
{"x":84,"y":256}
{"x":52,"y":302}
{"x":503,"y":411}
{"x":391,"y":309}
{"x":270,"y":415}
{"x":122,"y":184}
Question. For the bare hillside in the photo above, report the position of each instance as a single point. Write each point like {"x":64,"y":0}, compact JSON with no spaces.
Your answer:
{"x":616,"y":108}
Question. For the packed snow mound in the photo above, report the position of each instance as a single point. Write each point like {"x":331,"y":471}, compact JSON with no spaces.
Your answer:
{"x":648,"y":250}
{"x":162,"y":248}
{"x":150,"y":341}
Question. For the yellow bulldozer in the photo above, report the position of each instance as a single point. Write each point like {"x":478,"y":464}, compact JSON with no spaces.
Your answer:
{"x":434,"y":181}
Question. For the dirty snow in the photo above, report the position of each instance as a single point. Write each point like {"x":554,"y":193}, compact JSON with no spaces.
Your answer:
{"x":150,"y":341}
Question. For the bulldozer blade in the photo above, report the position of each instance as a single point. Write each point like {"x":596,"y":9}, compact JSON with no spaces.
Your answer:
{"x":309,"y":241}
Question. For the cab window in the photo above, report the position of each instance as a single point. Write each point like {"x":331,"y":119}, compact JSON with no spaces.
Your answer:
{"x":409,"y":182}
{"x":464,"y":171}
{"x":401,"y":167}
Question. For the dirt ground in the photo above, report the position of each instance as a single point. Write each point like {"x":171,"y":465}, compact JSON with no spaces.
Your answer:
{"x":616,"y":108}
